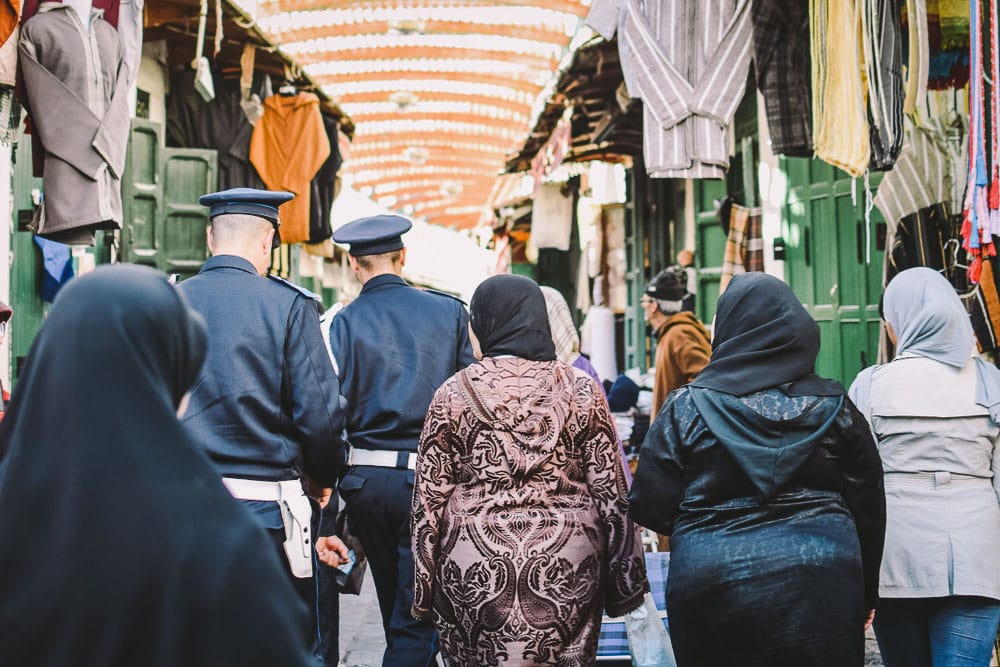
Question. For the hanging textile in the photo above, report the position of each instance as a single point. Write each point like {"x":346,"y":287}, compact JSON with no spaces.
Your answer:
{"x":551,"y":217}
{"x":744,"y":244}
{"x":322,"y":187}
{"x":220,"y":125}
{"x":881,"y":40}
{"x":57,"y":268}
{"x":919,"y":240}
{"x":83,"y":128}
{"x":985,"y":310}
{"x":954,"y":16}
{"x":9,"y":15}
{"x":921,"y":177}
{"x":109,"y":9}
{"x":288,"y":146}
{"x":918,"y":61}
{"x":10,"y":116}
{"x":781,"y":61}
{"x":976,"y":235}
{"x":840,"y":121}
{"x":688,"y":62}
{"x":130,"y":16}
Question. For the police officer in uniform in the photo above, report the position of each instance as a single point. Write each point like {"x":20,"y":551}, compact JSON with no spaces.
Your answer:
{"x":393,"y":346}
{"x":267,"y":404}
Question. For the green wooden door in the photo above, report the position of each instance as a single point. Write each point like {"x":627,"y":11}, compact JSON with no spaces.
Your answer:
{"x":164,"y":223}
{"x":25,"y":271}
{"x":828,"y":265}
{"x":187,"y":174}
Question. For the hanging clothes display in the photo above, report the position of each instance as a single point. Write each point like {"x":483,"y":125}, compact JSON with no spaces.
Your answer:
{"x":551,"y":217}
{"x":921,"y":177}
{"x":919,"y":56}
{"x":130,"y":17}
{"x":919,"y":240}
{"x":109,"y":9}
{"x":881,"y":40}
{"x":840,"y":121}
{"x":77,"y":91}
{"x":220,"y":124}
{"x":10,"y":11}
{"x":288,"y":146}
{"x":57,"y":268}
{"x":688,"y":61}
{"x":323,"y":186}
{"x":744,"y":251}
{"x":976,"y":233}
{"x":781,"y":61}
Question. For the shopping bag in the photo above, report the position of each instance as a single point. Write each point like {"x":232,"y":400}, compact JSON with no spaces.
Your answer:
{"x":648,"y":641}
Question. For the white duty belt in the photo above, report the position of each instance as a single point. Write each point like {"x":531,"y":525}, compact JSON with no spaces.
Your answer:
{"x":296,"y":515}
{"x":383,"y":458}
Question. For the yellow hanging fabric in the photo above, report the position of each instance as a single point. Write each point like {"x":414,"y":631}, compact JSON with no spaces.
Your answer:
{"x":841,"y":121}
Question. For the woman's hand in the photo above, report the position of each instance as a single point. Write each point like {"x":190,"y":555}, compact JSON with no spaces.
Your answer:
{"x":871,"y":617}
{"x":332,"y":551}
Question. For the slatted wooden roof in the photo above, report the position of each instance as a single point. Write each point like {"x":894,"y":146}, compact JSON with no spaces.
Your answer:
{"x":440,"y":91}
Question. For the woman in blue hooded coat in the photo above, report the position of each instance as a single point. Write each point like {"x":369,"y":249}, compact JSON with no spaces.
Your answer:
{"x":769,"y":484}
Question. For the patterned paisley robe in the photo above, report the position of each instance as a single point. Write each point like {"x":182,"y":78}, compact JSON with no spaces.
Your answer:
{"x":521,"y":534}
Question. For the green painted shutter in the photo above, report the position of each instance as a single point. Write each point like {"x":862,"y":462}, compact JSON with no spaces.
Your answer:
{"x":25,"y":272}
{"x":827,"y":263}
{"x":187,"y":175}
{"x":164,"y":223}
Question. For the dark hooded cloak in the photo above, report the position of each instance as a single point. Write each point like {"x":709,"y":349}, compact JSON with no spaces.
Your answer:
{"x":769,"y":484}
{"x":118,"y":543}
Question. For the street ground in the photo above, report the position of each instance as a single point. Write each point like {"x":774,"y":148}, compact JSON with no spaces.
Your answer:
{"x":362,"y":641}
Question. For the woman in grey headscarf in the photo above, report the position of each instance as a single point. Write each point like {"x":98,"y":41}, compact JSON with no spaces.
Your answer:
{"x":935,"y":410}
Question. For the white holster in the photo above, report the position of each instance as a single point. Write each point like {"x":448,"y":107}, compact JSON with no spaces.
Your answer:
{"x":296,"y":515}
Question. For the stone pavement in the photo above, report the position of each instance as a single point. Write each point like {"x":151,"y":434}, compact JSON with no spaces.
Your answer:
{"x":361,"y":639}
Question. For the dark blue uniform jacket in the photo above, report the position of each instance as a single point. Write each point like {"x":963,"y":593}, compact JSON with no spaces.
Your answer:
{"x":267,"y":402}
{"x":394,"y":346}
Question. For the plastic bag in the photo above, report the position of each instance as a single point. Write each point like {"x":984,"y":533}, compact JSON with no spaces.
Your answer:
{"x":649,"y":642}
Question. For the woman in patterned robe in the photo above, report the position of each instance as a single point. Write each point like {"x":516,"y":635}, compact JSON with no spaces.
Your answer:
{"x":521,"y":533}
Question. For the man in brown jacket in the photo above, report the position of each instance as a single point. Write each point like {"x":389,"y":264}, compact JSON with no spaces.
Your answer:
{"x":683,"y":346}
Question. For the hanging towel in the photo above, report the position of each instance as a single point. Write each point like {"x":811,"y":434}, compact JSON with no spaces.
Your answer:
{"x":840,"y":129}
{"x":744,"y":245}
{"x":57,"y":264}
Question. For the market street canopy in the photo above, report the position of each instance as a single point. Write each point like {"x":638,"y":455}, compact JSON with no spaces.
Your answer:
{"x":440,"y":90}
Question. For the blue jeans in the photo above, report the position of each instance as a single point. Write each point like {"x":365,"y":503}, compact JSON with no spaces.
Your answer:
{"x":956,"y":631}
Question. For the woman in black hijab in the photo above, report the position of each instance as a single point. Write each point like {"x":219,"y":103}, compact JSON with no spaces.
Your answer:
{"x":118,"y":543}
{"x":769,"y":484}
{"x":520,"y":530}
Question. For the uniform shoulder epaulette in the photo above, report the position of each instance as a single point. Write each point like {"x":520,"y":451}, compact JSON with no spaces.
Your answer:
{"x":298,"y":288}
{"x":430,"y":290}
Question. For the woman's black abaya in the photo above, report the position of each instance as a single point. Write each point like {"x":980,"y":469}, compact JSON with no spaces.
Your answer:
{"x":118,"y":543}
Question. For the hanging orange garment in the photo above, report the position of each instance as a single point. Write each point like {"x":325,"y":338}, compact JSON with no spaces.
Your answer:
{"x":288,"y":146}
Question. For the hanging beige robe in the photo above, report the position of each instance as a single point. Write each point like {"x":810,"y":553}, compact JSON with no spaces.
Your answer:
{"x":77,"y":91}
{"x":288,"y":146}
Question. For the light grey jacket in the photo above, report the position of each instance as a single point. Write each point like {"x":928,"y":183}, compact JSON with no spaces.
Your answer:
{"x":940,"y":454}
